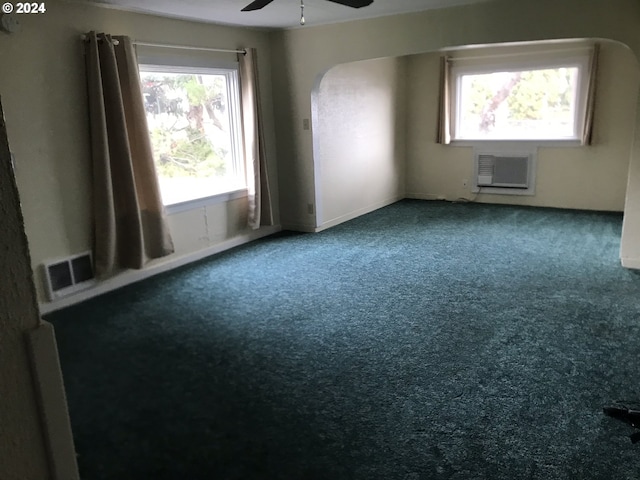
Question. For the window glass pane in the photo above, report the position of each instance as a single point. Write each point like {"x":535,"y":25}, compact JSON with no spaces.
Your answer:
{"x":530,"y":104}
{"x":191,"y":128}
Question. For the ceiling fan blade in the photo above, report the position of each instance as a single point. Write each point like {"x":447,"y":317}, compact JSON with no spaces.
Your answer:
{"x":353,"y":3}
{"x":256,"y":5}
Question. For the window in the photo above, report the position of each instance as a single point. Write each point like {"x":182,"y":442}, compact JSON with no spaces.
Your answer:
{"x":193,"y":121}
{"x":508,"y":98}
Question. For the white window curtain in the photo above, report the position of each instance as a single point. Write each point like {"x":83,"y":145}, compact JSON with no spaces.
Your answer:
{"x":128,"y":214}
{"x":444,"y":111}
{"x":587,"y":134}
{"x":260,"y":208}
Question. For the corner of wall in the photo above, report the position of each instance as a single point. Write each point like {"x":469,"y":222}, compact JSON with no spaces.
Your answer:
{"x":52,"y":401}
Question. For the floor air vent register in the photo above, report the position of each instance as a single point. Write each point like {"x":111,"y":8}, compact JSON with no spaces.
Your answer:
{"x":69,"y":275}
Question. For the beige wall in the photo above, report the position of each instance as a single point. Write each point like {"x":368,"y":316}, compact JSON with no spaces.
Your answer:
{"x":43,"y":86}
{"x":630,"y":248}
{"x":359,"y":138}
{"x":299,"y":56}
{"x":592,"y":178}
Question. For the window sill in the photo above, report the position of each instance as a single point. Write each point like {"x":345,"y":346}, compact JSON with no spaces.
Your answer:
{"x":205,"y":201}
{"x":519,"y":143}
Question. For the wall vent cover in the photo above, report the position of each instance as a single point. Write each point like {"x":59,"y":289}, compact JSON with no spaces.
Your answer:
{"x":69,"y":275}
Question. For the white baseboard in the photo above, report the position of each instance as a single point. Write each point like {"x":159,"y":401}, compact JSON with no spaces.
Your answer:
{"x":425,"y":196}
{"x":154,"y":268}
{"x":631,"y":263}
{"x":356,"y":213}
{"x":298,"y":227}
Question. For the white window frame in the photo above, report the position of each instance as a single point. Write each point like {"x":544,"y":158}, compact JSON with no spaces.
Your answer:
{"x":579,"y":58}
{"x":231,"y":72}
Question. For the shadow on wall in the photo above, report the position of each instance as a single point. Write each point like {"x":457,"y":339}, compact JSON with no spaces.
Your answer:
{"x":358,"y":112}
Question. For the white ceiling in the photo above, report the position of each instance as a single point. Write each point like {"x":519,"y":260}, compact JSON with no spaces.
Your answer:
{"x":279,"y":14}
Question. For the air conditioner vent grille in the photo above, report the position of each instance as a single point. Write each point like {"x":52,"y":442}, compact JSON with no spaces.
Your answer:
{"x":509,"y":171}
{"x":485,"y":164}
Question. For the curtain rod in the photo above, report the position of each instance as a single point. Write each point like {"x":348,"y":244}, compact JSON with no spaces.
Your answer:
{"x":181,"y":47}
{"x":189,"y":47}
{"x":551,"y":51}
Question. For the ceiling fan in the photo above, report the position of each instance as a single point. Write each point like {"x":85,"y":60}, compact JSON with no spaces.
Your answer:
{"x":258,"y":4}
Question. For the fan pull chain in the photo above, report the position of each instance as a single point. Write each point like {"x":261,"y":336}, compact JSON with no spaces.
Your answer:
{"x":302,"y":21}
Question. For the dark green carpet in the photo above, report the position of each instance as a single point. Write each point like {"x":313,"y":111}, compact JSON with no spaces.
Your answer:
{"x":423,"y":341}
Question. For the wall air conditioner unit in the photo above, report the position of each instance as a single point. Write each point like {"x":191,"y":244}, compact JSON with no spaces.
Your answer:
{"x":504,"y":173}
{"x":69,"y":275}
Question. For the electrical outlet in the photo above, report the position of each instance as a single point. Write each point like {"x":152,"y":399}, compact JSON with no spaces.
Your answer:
{"x":310,"y":209}
{"x":305,"y":124}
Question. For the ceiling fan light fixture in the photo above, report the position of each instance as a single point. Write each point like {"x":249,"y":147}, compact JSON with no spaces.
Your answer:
{"x":258,"y":4}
